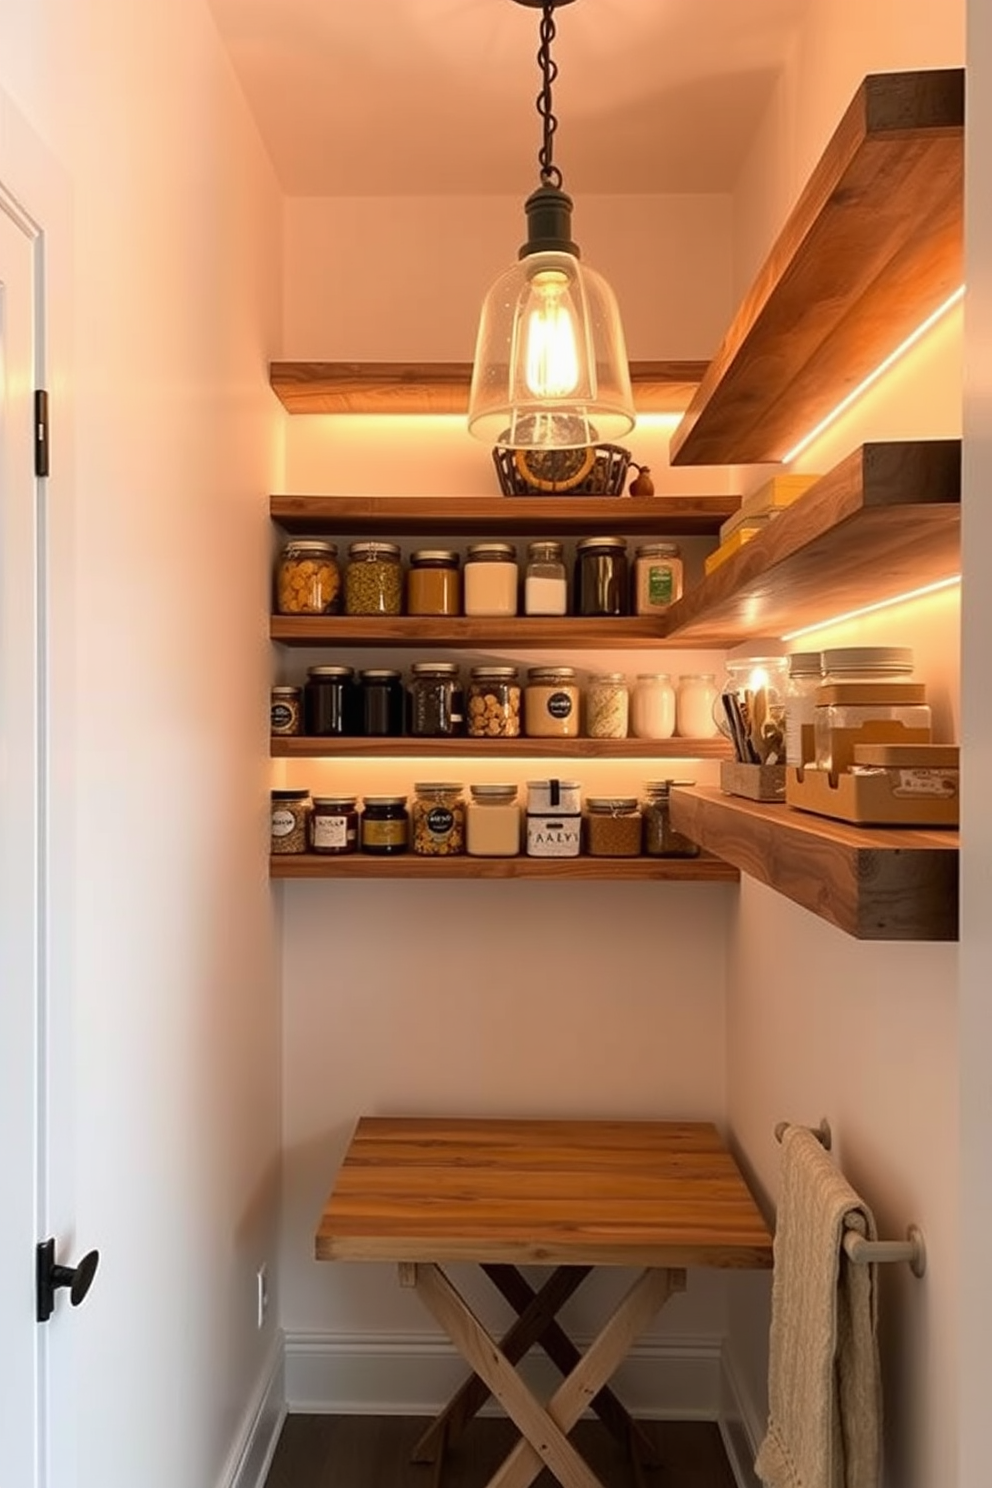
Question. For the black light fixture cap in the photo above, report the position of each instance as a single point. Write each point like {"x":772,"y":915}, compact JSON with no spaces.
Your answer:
{"x":549,"y":223}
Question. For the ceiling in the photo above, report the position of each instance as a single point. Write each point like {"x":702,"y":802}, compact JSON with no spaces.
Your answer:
{"x":436,"y":97}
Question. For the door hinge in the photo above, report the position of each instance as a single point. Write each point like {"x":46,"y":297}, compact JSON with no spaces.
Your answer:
{"x":41,"y":432}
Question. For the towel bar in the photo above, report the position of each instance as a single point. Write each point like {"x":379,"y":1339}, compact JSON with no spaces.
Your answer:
{"x":822,"y":1132}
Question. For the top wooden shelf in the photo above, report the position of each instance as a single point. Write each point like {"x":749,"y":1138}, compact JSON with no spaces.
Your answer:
{"x":871,"y":249}
{"x":442,"y":387}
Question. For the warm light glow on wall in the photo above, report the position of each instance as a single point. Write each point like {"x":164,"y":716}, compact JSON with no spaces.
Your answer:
{"x":872,"y":378}
{"x":883,"y":604}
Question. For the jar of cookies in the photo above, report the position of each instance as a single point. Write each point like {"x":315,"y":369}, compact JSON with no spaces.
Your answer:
{"x":437,"y":821}
{"x":308,"y":579}
{"x":493,"y":708}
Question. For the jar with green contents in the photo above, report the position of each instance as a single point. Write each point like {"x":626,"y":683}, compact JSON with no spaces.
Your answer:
{"x":373,"y":582}
{"x":438,"y":819}
{"x":660,"y":838}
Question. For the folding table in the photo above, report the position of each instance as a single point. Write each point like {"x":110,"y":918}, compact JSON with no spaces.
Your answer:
{"x":657,"y":1195}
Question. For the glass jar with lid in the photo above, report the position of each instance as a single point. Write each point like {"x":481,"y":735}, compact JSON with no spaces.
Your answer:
{"x":607,"y":706}
{"x":290,"y":821}
{"x":331,"y":702}
{"x":545,"y":580}
{"x":652,"y":706}
{"x":601,"y":577}
{"x":434,"y":582}
{"x":491,"y":579}
{"x":660,"y":838}
{"x":308,"y":579}
{"x":493,"y":703}
{"x":754,"y":721}
{"x":373,"y":581}
{"x":805,"y":676}
{"x":437,"y":823}
{"x":657,"y":577}
{"x":383,"y":702}
{"x":492,"y":822}
{"x":695,"y":699}
{"x":385,"y":825}
{"x":286,"y":711}
{"x":868,"y":696}
{"x":551,"y":703}
{"x":334,"y":825}
{"x":436,"y":700}
{"x":613,"y":827}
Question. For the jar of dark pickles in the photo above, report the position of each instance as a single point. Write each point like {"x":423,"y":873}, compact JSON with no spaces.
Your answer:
{"x":330,"y":702}
{"x":334,"y":825}
{"x":385,"y":825}
{"x":601,"y":577}
{"x":436,"y":701}
{"x":383,"y":703}
{"x":660,"y":838}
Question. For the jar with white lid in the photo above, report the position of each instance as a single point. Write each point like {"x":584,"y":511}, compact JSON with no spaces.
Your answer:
{"x":695,"y":697}
{"x":545,"y":580}
{"x":551,"y":703}
{"x":657,"y":577}
{"x":492,"y":822}
{"x":867,"y":664}
{"x":491,"y":579}
{"x":652,"y":706}
{"x":867,"y":696}
{"x":805,"y":676}
{"x":607,"y":706}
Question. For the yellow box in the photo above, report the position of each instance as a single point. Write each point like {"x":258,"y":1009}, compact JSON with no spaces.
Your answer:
{"x":727,"y":550}
{"x":779,"y":492}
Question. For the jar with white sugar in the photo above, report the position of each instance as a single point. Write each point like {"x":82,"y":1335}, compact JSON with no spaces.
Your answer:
{"x":607,"y":706}
{"x":490,"y":579}
{"x":652,"y":706}
{"x":696,"y":694}
{"x":545,"y":580}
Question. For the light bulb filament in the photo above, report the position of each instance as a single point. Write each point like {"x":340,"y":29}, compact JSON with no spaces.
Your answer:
{"x":552,"y":356}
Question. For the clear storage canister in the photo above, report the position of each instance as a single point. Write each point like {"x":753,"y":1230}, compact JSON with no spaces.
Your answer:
{"x":551,"y":703}
{"x":755,"y":688}
{"x":290,"y":821}
{"x":601,"y":578}
{"x":492,"y":822}
{"x":436,"y":700}
{"x":437,"y":825}
{"x":607,"y":706}
{"x":383,"y":702}
{"x":334,"y":825}
{"x":493,"y":704}
{"x":308,"y":579}
{"x":867,"y":696}
{"x":613,"y":827}
{"x":652,"y":706}
{"x":660,"y":838}
{"x":545,"y":580}
{"x":491,"y":579}
{"x":433,"y":583}
{"x":805,"y":676}
{"x":373,"y":581}
{"x":657,"y":577}
{"x":695,"y":697}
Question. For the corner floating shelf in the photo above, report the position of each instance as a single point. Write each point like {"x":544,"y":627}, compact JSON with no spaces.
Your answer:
{"x":871,"y":249}
{"x":875,"y":883}
{"x":442,"y":387}
{"x":494,"y":749}
{"x":407,"y":865}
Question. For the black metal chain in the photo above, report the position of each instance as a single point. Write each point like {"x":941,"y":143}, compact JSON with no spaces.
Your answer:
{"x":550,"y":174}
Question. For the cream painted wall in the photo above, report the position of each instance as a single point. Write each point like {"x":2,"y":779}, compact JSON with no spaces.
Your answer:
{"x":171,"y":314}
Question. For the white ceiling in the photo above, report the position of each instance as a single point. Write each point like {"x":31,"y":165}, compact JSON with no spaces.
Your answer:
{"x":425,"y":97}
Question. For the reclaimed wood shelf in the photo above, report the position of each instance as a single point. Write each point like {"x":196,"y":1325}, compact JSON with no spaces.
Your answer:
{"x":574,"y":631}
{"x":443,"y":387}
{"x":299,"y":747}
{"x":884,"y":522}
{"x":875,"y":883}
{"x":704,"y":869}
{"x":872,"y":248}
{"x":474,"y":516}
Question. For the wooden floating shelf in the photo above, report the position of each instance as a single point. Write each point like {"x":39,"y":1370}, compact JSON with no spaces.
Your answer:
{"x":703,"y":869}
{"x":871,"y":249}
{"x":884,"y":522}
{"x":442,"y":387}
{"x":875,"y":883}
{"x":646,"y":749}
{"x":559,"y":516}
{"x":518,"y":630}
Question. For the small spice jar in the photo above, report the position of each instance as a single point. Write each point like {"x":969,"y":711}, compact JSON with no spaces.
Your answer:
{"x":660,"y":838}
{"x":613,"y":827}
{"x":334,"y":825}
{"x":373,"y":581}
{"x":308,"y":579}
{"x":601,"y":582}
{"x":545,"y":580}
{"x":551,"y":703}
{"x":285,"y":711}
{"x":492,"y":822}
{"x":384,"y":826}
{"x":438,"y":819}
{"x":607,"y":706}
{"x":695,"y":698}
{"x":436,"y":700}
{"x":383,"y":703}
{"x":491,"y":579}
{"x":657,"y":577}
{"x":330,"y":702}
{"x":290,"y":821}
{"x":652,"y":706}
{"x":433,"y":583}
{"x":493,"y":704}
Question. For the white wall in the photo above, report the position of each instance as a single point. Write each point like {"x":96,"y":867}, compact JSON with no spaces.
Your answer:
{"x":174,"y":270}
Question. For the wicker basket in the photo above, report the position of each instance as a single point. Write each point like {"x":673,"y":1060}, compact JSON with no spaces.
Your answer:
{"x":597,"y":470}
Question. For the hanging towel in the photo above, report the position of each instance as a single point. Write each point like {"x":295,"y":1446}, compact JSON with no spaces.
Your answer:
{"x":824,"y":1386}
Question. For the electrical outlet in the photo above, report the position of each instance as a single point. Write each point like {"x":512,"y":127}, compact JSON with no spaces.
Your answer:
{"x":262,"y":1294}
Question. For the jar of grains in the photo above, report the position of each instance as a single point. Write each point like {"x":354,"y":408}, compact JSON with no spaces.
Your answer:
{"x":290,"y":821}
{"x":694,"y":699}
{"x":308,"y":579}
{"x":438,"y":819}
{"x":652,"y":706}
{"x":660,"y":838}
{"x":492,"y":822}
{"x":436,"y":700}
{"x":601,"y":583}
{"x":285,"y":711}
{"x":433,"y":583}
{"x":373,"y":582}
{"x":331,"y":702}
{"x":657,"y":577}
{"x":607,"y":702}
{"x":613,"y":827}
{"x":551,"y":703}
{"x":383,"y":702}
{"x":334,"y":825}
{"x":491,"y":579}
{"x":385,"y":825}
{"x":493,"y":704}
{"x":545,"y":580}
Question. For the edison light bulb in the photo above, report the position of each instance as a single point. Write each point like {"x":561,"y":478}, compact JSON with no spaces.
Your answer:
{"x":552,"y":353}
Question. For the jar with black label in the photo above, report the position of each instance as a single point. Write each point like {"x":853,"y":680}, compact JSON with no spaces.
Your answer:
{"x":385,"y":825}
{"x":601,"y":579}
{"x":438,"y":819}
{"x":660,"y":838}
{"x":551,"y":703}
{"x":436,"y":700}
{"x":334,"y":825}
{"x":383,"y":703}
{"x":433,"y":583}
{"x":290,"y":821}
{"x":330,"y":702}
{"x":285,"y":711}
{"x":373,"y":581}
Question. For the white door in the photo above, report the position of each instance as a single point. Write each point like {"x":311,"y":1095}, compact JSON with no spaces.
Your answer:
{"x":21,"y":867}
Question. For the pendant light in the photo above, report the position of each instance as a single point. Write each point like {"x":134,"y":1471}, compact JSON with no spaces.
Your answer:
{"x":550,"y":369}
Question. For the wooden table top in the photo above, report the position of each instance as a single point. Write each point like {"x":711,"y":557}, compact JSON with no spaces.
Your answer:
{"x":644,"y":1193}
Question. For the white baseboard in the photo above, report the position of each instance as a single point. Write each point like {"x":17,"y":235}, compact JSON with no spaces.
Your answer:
{"x":740,"y":1427}
{"x":251,"y":1455}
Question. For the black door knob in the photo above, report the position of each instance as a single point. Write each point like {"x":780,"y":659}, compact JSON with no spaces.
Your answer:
{"x":50,"y":1277}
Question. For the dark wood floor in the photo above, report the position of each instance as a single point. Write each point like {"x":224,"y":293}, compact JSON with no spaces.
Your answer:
{"x":374,"y":1452}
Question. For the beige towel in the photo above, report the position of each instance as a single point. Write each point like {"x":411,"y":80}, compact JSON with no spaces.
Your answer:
{"x":824,"y":1388}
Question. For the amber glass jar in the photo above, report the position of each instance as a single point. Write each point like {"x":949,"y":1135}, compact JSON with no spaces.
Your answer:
{"x":334,"y":825}
{"x":433,"y":583}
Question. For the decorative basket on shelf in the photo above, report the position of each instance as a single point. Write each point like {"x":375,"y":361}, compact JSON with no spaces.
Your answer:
{"x":590,"y":470}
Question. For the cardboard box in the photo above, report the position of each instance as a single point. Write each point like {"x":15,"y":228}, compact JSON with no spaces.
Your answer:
{"x":882,"y":796}
{"x":754,"y":782}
